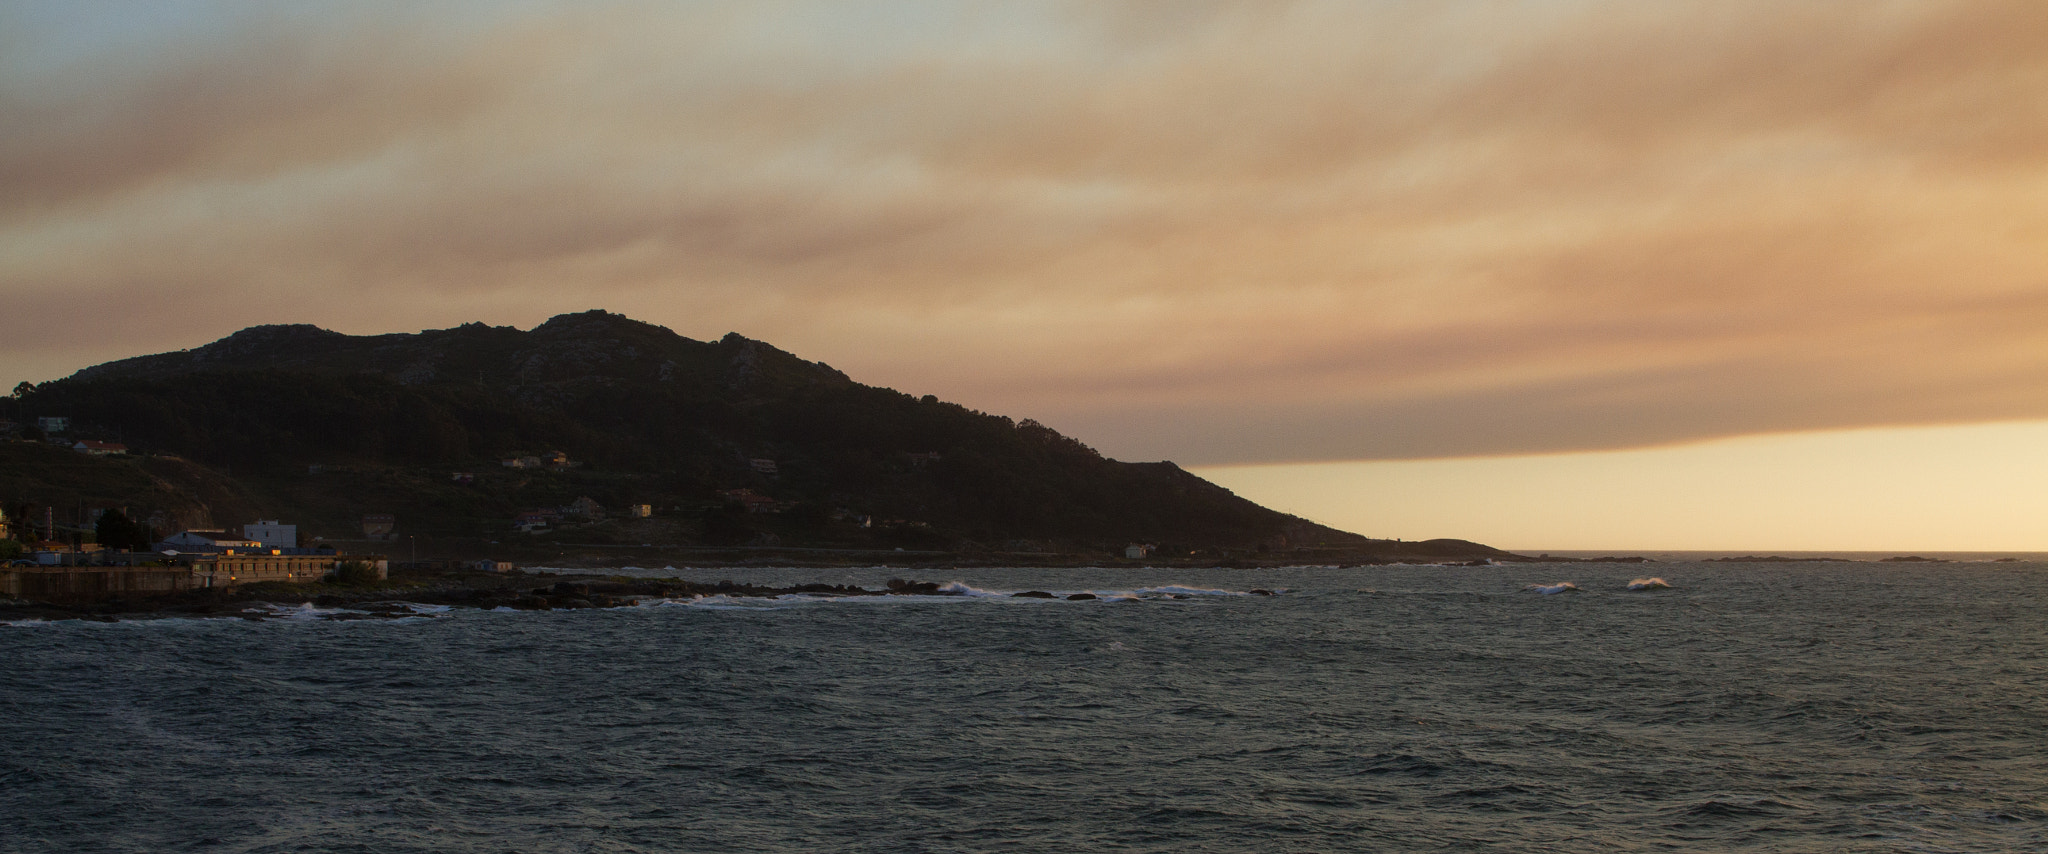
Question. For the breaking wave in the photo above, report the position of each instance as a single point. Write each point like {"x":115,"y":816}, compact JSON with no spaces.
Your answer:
{"x":962,"y":588}
{"x":1548,"y":589}
{"x":301,"y":611}
{"x":1649,"y":584}
{"x":953,"y":591}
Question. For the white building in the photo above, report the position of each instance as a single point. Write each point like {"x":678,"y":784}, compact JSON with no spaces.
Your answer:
{"x":272,"y":535}
{"x":204,"y":541}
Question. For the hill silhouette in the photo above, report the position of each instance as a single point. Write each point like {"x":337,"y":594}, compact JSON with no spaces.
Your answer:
{"x":324,"y":427}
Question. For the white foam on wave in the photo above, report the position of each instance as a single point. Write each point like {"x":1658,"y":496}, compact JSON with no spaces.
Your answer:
{"x":1550,"y":589}
{"x":417,"y":608}
{"x":302,"y":611}
{"x":1178,"y":590}
{"x":722,"y":602}
{"x":950,"y":592}
{"x":1649,"y":584}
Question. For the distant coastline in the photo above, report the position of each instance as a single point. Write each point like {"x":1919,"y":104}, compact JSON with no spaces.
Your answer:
{"x":1673,"y":555}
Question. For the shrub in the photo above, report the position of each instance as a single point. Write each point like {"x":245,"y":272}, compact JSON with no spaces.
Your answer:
{"x":355,"y":573}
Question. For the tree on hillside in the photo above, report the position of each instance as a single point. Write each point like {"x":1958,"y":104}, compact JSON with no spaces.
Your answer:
{"x":115,"y":530}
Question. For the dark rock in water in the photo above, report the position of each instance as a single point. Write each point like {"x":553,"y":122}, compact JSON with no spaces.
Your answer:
{"x":574,"y":602}
{"x":1033,"y":594}
{"x":1259,"y":591}
{"x":533,"y":603}
{"x":1079,"y":597}
{"x":913,"y":588}
{"x":584,"y":589}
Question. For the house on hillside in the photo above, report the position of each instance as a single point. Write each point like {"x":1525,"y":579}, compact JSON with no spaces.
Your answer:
{"x":754,"y":502}
{"x":99,"y":449}
{"x":535,"y":520}
{"x":1138,"y":551}
{"x":585,"y":507}
{"x":379,"y":526}
{"x":640,"y":511}
{"x":763,"y":466}
{"x":51,"y":424}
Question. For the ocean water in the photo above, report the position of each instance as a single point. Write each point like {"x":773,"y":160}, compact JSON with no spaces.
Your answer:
{"x":1796,"y":707}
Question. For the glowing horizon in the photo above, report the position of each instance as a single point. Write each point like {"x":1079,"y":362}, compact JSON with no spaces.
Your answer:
{"x":1970,"y":488}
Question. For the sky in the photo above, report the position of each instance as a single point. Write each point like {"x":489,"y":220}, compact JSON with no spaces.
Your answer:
{"x":1327,"y":254}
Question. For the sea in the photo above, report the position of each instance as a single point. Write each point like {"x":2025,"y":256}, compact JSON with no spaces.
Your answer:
{"x":1677,"y":706}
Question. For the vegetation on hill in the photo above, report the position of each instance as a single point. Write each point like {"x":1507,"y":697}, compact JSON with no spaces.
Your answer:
{"x":300,"y":422}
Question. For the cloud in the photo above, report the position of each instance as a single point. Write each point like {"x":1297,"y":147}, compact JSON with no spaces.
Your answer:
{"x":1211,"y":232}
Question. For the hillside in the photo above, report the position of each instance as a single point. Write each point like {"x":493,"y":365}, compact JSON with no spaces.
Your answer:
{"x":307,"y":424}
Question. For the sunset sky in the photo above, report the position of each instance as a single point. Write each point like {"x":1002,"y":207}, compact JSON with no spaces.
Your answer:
{"x":1541,"y":274}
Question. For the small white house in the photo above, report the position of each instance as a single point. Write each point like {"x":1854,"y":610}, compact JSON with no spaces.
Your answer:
{"x":1136,"y":551}
{"x":272,"y":535}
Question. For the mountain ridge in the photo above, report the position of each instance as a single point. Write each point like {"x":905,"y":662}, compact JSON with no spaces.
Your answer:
{"x":659,"y":419}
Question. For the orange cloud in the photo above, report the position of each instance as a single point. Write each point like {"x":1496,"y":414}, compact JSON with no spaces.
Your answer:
{"x":1212,"y":232}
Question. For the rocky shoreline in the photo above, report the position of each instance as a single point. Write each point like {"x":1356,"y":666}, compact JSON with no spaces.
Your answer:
{"x":405,"y":594}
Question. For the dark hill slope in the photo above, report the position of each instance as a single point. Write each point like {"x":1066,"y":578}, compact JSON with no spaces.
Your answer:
{"x":177,"y":493}
{"x":654,"y":417}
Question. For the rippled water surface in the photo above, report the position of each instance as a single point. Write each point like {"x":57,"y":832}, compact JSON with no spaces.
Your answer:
{"x":1813,"y":707}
